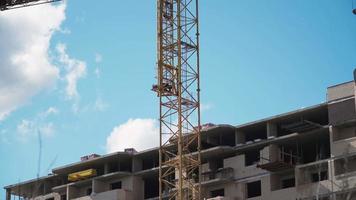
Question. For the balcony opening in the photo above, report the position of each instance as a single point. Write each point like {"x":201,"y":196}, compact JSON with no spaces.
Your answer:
{"x":319,"y":176}
{"x":219,"y":139}
{"x":125,"y":166}
{"x":345,"y":165}
{"x":150,"y":161}
{"x":315,"y":147}
{"x":89,"y":191}
{"x":151,"y":188}
{"x":99,"y":171}
{"x":216,"y":164}
{"x":313,"y":173}
{"x":253,"y":189}
{"x":252,"y":157}
{"x":342,"y":112}
{"x":217,"y":193}
{"x":282,"y":180}
{"x":228,"y":139}
{"x":113,"y":167}
{"x":220,"y":164}
{"x":351,"y":195}
{"x":287,"y":183}
{"x":115,"y":185}
{"x":52,"y":198}
{"x":277,"y":158}
{"x":63,"y":197}
{"x":255,"y":134}
{"x":148,"y":164}
{"x":342,"y":133}
{"x":303,"y":122}
{"x":195,"y":175}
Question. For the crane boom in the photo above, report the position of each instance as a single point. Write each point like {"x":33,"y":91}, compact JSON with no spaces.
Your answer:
{"x":13,"y":4}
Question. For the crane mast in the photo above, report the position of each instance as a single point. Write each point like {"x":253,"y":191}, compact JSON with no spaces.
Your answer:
{"x":179,"y":99}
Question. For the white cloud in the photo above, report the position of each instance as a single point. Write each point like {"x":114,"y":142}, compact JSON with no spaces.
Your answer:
{"x":3,"y":137}
{"x":50,"y":111}
{"x":140,"y":134}
{"x":65,"y":31}
{"x":25,"y":129}
{"x":75,"y":69}
{"x":206,"y":106}
{"x":98,"y":58}
{"x":100,"y":105}
{"x":47,"y":129}
{"x":28,"y":128}
{"x":25,"y":67}
{"x":97,"y":72}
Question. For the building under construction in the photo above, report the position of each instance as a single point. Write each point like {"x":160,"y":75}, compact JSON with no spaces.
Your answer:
{"x":305,"y":154}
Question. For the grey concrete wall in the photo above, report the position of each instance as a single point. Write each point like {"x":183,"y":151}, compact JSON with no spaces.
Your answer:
{"x":99,"y":186}
{"x":340,"y":91}
{"x":345,"y":146}
{"x":342,"y":111}
{"x":271,"y":129}
{"x":138,"y":187}
{"x":56,"y":196}
{"x":240,"y":170}
{"x":110,"y":195}
{"x":240,"y":137}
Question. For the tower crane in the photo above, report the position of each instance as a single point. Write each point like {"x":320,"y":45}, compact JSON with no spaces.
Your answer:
{"x":178,"y":89}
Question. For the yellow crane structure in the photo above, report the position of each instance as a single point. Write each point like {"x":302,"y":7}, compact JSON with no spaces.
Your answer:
{"x":178,"y":89}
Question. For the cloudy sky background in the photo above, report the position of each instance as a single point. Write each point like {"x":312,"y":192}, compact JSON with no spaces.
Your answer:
{"x":80,"y":73}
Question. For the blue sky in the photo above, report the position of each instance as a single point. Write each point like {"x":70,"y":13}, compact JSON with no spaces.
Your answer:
{"x":258,"y":58}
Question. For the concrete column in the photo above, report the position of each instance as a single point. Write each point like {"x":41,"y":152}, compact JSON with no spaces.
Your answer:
{"x":240,"y":137}
{"x":212,"y":140}
{"x":265,"y":155}
{"x":265,"y":186}
{"x":271,"y":129}
{"x":67,"y":192}
{"x":98,"y":186}
{"x":355,"y":87}
{"x":8,"y":194}
{"x":332,"y":177}
{"x":138,"y":187}
{"x":72,"y":192}
{"x":273,"y":152}
{"x":137,"y":164}
{"x":331,"y":140}
{"x":299,"y":179}
{"x":106,"y":168}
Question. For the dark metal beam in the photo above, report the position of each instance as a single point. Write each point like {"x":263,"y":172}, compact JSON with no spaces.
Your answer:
{"x":13,"y":4}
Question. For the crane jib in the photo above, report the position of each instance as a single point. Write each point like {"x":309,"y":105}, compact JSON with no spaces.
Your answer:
{"x":13,"y":4}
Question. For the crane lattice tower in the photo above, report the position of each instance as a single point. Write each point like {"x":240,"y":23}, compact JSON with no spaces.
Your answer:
{"x":179,"y":96}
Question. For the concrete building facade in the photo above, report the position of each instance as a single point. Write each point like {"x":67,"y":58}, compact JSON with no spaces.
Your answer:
{"x":305,"y":154}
